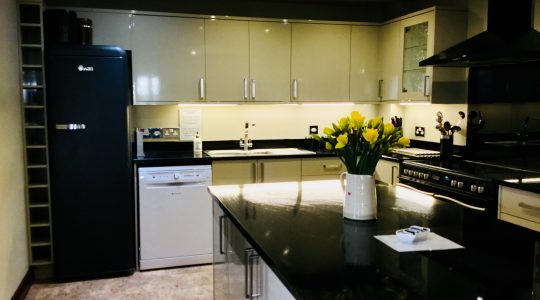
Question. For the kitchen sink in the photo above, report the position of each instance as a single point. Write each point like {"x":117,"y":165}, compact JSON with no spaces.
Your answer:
{"x":258,"y":152}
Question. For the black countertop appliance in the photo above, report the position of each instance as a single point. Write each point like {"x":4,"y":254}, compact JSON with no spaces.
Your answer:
{"x":88,"y":94}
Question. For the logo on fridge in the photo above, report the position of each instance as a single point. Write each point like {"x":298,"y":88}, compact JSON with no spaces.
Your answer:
{"x":82,"y":68}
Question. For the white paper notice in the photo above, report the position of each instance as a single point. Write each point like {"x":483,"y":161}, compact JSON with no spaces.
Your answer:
{"x":433,"y":242}
{"x":190,"y":123}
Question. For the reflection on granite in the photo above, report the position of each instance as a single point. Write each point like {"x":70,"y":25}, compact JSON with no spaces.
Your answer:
{"x":298,"y":229}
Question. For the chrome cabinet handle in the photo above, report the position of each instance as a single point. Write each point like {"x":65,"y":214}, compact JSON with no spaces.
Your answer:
{"x":253,"y":89}
{"x":255,"y":290}
{"x":332,"y":167}
{"x":527,"y":206}
{"x":247,"y":270}
{"x":70,"y":126}
{"x":427,"y":90}
{"x":394,"y":172}
{"x":221,"y":233}
{"x":245,"y":89}
{"x":437,"y":196}
{"x":380,"y":89}
{"x":295,"y":89}
{"x":201,"y":88}
{"x":254,"y":166}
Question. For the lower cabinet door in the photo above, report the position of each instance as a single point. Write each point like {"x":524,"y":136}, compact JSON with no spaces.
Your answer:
{"x":272,"y":288}
{"x":234,"y":172}
{"x":279,"y":170}
{"x":220,"y":246}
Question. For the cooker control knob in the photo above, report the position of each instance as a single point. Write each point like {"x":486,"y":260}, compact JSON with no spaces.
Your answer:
{"x":480,"y":190}
{"x":415,"y":173}
{"x":176,"y":176}
{"x":406,"y":171}
{"x":474,"y":188}
{"x":453,"y":182}
{"x":460,"y":184}
{"x":426,"y":175}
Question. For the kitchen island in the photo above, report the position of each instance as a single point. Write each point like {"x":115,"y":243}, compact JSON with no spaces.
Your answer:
{"x":298,"y":230}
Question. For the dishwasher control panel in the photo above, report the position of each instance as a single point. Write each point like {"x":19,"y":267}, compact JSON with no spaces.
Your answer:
{"x":179,"y":174}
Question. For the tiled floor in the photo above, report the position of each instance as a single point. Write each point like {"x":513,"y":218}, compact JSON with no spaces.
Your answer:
{"x":189,"y":283}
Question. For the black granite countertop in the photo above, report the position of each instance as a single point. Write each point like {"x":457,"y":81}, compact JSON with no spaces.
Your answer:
{"x":298,"y":230}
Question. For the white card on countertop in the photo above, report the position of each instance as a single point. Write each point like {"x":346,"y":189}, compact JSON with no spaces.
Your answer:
{"x":431,"y":243}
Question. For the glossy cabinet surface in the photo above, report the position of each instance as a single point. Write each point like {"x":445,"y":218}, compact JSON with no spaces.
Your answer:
{"x":320,"y":64}
{"x":417,"y":40}
{"x":234,"y":171}
{"x":238,"y":270}
{"x":390,"y":61}
{"x":168,"y":59}
{"x":519,"y":207}
{"x":269,"y":61}
{"x":252,"y":171}
{"x":421,"y":36}
{"x":227,"y":60}
{"x":110,"y":28}
{"x":387,"y":171}
{"x":364,"y":78}
{"x":322,"y":168}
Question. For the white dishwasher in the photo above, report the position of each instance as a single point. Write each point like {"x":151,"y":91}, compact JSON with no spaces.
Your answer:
{"x":175,"y":216}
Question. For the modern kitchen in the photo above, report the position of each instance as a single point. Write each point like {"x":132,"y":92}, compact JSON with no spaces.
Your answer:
{"x":270,"y":149}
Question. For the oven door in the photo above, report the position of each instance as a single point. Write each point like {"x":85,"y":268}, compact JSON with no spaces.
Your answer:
{"x":439,"y":192}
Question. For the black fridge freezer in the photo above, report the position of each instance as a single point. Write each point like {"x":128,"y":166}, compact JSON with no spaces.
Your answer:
{"x":92,"y":203}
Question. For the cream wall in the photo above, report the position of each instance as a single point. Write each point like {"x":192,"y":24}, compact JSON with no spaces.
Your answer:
{"x":13,"y":239}
{"x":272,"y":121}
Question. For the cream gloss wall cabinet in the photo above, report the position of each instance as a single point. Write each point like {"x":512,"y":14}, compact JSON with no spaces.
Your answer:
{"x":421,"y":36}
{"x":389,"y":61}
{"x":227,"y":60}
{"x":269,"y":61}
{"x":320,"y":64}
{"x":110,"y":28}
{"x":254,"y":171}
{"x":364,"y":83}
{"x":168,"y":59}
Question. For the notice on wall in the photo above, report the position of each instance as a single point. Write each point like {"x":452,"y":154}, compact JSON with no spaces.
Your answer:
{"x":190,"y":123}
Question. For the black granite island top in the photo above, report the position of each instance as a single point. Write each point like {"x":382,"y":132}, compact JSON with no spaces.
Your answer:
{"x":298,"y":230}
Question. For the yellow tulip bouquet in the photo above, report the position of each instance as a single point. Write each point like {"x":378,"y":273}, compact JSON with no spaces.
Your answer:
{"x":360,"y":145}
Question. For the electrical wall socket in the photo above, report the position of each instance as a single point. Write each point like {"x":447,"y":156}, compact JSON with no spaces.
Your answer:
{"x":313,"y":129}
{"x":419,"y":131}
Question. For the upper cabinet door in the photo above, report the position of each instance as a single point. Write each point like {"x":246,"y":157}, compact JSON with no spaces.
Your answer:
{"x":320,"y":62}
{"x":168,"y":59}
{"x":227,"y":60}
{"x":422,"y":36}
{"x":269,"y":61}
{"x":417,"y":36}
{"x":390,"y":60}
{"x":365,"y":85}
{"x":109,"y":28}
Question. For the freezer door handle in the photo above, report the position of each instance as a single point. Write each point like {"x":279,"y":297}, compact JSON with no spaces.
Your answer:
{"x":71,"y":126}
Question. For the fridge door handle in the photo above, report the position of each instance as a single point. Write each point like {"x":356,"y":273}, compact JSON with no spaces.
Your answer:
{"x":70,"y":126}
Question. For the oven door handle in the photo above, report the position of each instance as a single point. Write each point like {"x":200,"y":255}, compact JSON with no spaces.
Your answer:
{"x":437,"y":196}
{"x":414,"y":189}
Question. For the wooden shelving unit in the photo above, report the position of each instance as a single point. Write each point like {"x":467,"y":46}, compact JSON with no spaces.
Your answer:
{"x":34,"y":110}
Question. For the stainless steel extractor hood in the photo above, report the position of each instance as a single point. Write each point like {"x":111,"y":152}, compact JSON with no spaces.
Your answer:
{"x":509,"y":39}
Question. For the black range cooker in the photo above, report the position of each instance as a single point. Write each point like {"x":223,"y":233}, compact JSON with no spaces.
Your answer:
{"x":468,"y":183}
